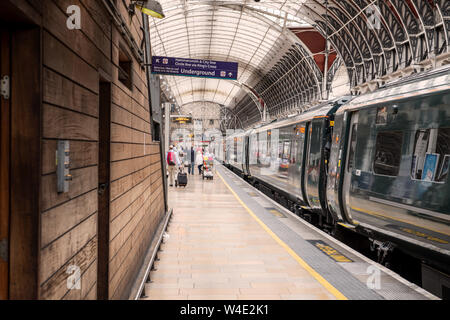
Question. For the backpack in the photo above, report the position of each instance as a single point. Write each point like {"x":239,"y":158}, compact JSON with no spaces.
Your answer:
{"x":170,"y":158}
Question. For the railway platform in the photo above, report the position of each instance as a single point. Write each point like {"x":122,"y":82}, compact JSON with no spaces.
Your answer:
{"x":228,"y":241}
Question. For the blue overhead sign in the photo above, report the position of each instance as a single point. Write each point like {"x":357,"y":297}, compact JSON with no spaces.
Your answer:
{"x":195,"y":68}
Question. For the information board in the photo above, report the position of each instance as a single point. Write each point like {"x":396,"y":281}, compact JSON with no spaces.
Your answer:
{"x":195,"y":68}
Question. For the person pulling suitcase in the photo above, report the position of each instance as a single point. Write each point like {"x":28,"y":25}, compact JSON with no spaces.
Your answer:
{"x":182,"y":178}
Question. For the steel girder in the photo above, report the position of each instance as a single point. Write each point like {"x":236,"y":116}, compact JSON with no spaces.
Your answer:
{"x":289,"y":85}
{"x":374,"y":39}
{"x":379,"y":37}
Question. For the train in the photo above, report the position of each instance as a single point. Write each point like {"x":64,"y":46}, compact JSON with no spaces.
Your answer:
{"x":375,"y":164}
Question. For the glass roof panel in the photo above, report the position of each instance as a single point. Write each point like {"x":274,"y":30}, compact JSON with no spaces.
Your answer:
{"x":241,"y":31}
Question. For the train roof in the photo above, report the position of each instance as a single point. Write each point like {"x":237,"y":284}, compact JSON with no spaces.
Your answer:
{"x":321,"y":110}
{"x":415,"y":85}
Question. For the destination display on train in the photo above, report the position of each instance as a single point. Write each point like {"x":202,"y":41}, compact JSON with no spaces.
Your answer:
{"x":195,"y":68}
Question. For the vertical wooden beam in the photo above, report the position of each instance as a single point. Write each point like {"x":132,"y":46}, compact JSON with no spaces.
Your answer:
{"x":25,"y":162}
{"x":5,"y":41}
{"x":104,"y":177}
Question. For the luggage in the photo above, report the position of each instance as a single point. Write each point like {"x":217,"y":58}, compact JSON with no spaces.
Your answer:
{"x":182,"y":179}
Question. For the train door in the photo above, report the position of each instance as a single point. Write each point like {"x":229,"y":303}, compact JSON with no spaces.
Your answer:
{"x":246,"y":154}
{"x":312,"y":174}
{"x":4,"y":166}
{"x":350,"y":162}
{"x":300,"y":161}
{"x":308,"y":131}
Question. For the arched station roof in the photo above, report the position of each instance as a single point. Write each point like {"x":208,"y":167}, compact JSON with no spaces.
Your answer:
{"x":276,"y":42}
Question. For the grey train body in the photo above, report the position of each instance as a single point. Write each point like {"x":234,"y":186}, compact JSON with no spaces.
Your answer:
{"x":376,"y":164}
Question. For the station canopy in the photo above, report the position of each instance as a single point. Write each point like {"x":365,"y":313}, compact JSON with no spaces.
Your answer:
{"x":246,"y":32}
{"x":280,"y":46}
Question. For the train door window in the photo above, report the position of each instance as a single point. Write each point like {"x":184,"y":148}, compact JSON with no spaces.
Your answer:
{"x":431,"y":157}
{"x":351,"y":154}
{"x":294,"y":150}
{"x":388,"y":153}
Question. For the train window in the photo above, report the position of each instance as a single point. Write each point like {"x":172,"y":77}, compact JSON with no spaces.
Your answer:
{"x":431,"y":157}
{"x":388,"y":153}
{"x":351,"y":154}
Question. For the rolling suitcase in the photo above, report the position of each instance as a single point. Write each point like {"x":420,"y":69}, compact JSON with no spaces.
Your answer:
{"x":182,"y":179}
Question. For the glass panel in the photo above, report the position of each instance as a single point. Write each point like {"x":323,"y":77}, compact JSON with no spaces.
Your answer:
{"x":431,"y":157}
{"x":388,"y":153}
{"x":351,"y":154}
{"x":210,"y":30}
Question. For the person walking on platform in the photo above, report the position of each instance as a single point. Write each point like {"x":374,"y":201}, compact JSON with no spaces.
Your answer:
{"x":172,"y":164}
{"x":191,"y":159}
{"x":199,"y":161}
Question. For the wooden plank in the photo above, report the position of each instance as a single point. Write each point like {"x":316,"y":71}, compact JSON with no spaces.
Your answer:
{"x":5,"y":127}
{"x":126,"y":151}
{"x":65,"y":93}
{"x":25,"y":163}
{"x":28,"y":12}
{"x":71,"y":125}
{"x":124,"y":100}
{"x":56,"y":255}
{"x":140,"y":239}
{"x":119,"y":258}
{"x":62,"y":60}
{"x":93,"y":32}
{"x":120,"y":98}
{"x":59,"y":220}
{"x":120,"y":169}
{"x":119,"y":240}
{"x":83,"y":181}
{"x":124,"y":184}
{"x":99,"y":15}
{"x":92,"y":294}
{"x":126,"y":118}
{"x":56,"y":287}
{"x":88,"y":280}
{"x":121,"y":275}
{"x":82,"y":154}
{"x":154,"y":148}
{"x":123,"y":134}
{"x":118,"y":223}
{"x":76,"y":40}
{"x":122,"y":202}
{"x":37,"y":5}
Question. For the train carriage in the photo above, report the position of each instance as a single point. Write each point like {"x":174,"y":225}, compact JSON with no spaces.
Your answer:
{"x":389,"y":166}
{"x":376,"y":164}
{"x":288,"y":159}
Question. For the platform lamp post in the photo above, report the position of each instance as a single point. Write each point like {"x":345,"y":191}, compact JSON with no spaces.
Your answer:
{"x":154,"y":9}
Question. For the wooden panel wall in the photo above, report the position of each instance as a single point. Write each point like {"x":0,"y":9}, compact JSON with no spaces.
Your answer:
{"x":72,"y":61}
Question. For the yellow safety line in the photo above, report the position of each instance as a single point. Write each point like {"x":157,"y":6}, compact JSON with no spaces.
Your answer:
{"x":335,"y":292}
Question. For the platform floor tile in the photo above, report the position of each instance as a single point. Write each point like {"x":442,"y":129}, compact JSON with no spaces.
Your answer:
{"x":216,"y":250}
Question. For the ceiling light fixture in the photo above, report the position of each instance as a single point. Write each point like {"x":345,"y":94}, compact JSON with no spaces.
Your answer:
{"x":150,"y":7}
